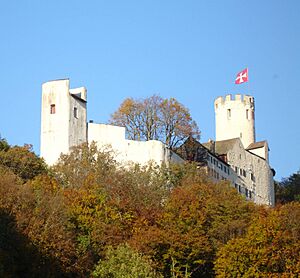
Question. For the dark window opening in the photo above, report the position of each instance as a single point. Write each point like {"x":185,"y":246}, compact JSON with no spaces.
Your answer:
{"x":228,"y":113}
{"x":75,"y":112}
{"x":244,"y":173}
{"x":52,"y":109}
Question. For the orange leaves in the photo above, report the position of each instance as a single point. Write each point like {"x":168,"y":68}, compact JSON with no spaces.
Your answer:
{"x":155,"y":118}
{"x":270,"y":247}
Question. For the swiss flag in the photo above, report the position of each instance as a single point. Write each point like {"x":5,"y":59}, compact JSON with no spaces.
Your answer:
{"x":242,"y":77}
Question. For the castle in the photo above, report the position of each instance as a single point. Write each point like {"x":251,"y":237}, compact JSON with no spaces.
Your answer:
{"x":234,"y":156}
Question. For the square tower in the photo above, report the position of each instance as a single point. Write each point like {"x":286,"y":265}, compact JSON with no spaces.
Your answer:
{"x":63,"y":119}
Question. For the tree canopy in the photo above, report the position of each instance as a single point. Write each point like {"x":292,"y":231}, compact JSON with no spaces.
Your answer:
{"x":155,"y":118}
{"x":89,"y":216}
{"x":288,"y":189}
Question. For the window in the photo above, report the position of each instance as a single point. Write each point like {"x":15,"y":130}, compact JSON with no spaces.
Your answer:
{"x":52,"y":109}
{"x":247,"y":192}
{"x":75,"y":112}
{"x":252,"y":177}
{"x":241,"y":172}
{"x":236,"y":169}
{"x":240,"y":189}
{"x":228,"y":113}
{"x":253,"y":115}
{"x":247,"y":114}
{"x":250,"y":194}
{"x":244,"y":173}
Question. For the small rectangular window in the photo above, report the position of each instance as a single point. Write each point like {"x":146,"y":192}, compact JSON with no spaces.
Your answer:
{"x":228,"y":113}
{"x":236,"y":169}
{"x":244,"y":173}
{"x":247,"y":114}
{"x":75,"y":112}
{"x":52,"y":109}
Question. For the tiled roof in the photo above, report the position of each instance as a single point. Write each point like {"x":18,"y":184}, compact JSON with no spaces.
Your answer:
{"x":222,"y":147}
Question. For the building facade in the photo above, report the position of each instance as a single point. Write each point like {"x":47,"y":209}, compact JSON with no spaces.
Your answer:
{"x":234,"y":156}
{"x":64,"y":125}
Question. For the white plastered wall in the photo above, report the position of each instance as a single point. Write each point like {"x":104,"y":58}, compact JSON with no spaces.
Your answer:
{"x":61,"y":130}
{"x":129,"y":151}
{"x":55,"y":127}
{"x":235,"y":118}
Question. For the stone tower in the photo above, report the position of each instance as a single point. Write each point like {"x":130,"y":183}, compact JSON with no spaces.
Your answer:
{"x":235,"y":118}
{"x":63,"y":119}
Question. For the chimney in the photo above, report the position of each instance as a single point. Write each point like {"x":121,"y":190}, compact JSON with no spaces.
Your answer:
{"x":212,"y":146}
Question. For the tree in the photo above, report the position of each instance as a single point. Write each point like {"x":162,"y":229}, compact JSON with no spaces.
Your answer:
{"x":155,"y":118}
{"x":196,"y":220}
{"x":22,"y":161}
{"x":288,"y":190}
{"x":270,"y":247}
{"x":4,"y":146}
{"x":124,"y":262}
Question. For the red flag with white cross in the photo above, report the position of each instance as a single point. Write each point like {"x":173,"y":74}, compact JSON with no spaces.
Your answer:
{"x":242,"y":77}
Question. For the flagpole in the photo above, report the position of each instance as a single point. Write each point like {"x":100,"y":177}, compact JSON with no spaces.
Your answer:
{"x":248,"y":82}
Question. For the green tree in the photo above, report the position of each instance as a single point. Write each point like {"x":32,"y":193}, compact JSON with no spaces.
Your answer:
{"x":124,"y":262}
{"x":288,"y":190}
{"x":4,"y":146}
{"x":270,"y":247}
{"x":155,"y":118}
{"x":197,"y":219}
{"x":22,"y":161}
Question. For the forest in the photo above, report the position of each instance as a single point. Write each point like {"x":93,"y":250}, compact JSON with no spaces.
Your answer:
{"x":88,"y":216}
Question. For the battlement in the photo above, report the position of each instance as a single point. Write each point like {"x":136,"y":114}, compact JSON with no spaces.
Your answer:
{"x":246,"y":99}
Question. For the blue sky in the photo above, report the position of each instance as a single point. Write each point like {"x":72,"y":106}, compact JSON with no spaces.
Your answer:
{"x":190,"y":50}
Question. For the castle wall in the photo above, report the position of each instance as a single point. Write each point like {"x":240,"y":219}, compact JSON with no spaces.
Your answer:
{"x":77,"y":122}
{"x":262,"y":152}
{"x":130,"y":151}
{"x":253,"y":174}
{"x":218,"y":170}
{"x":235,"y":118}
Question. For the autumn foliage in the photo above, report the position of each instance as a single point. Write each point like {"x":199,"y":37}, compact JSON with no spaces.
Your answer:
{"x":155,"y":118}
{"x":88,"y":216}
